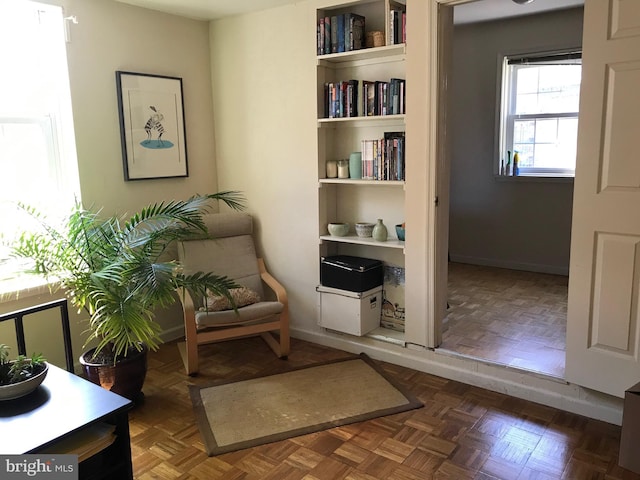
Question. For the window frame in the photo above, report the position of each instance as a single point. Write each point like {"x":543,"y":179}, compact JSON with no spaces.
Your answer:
{"x":505,"y":119}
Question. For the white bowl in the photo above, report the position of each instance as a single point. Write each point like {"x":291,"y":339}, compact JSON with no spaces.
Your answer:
{"x":17,"y":390}
{"x":338,"y":229}
{"x":364,"y":229}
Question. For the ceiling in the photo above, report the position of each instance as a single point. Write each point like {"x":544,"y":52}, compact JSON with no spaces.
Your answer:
{"x":484,"y":10}
{"x":475,"y":11}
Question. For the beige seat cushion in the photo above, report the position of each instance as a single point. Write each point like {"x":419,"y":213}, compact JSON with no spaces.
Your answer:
{"x":262,"y":311}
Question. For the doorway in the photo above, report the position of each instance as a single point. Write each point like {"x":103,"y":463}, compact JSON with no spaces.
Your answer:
{"x":509,"y":238}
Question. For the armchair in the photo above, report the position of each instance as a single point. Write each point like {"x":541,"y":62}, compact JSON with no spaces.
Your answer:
{"x":231,"y":252}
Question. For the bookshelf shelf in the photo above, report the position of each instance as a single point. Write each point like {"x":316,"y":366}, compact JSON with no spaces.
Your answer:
{"x":352,"y":181}
{"x":354,"y":239}
{"x":391,"y":53}
{"x":377,"y":120}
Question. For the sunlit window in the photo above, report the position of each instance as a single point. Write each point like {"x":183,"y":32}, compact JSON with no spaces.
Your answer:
{"x":539,"y":118}
{"x":38,"y":163}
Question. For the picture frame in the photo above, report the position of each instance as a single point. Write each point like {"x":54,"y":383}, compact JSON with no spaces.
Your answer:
{"x":152,"y":128}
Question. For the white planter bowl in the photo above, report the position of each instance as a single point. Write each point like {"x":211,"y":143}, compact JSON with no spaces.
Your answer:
{"x":338,"y":229}
{"x":364,"y":230}
{"x":17,"y":390}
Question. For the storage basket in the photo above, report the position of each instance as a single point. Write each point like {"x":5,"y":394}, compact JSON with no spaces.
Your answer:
{"x":375,"y":39}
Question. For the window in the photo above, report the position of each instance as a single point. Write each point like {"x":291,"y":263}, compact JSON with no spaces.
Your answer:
{"x":539,"y":113}
{"x":38,"y":163}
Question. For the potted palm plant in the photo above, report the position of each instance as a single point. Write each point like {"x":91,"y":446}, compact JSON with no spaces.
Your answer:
{"x":119,"y":271}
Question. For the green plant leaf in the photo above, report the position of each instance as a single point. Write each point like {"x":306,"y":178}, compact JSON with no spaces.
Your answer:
{"x":116,"y":268}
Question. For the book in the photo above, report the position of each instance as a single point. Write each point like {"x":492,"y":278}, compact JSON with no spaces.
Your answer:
{"x":392,"y":35}
{"x":395,"y":26}
{"x":396,"y":102}
{"x":367,"y":159}
{"x":395,"y":146}
{"x":321,"y":32}
{"x":327,"y":35}
{"x":334,"y":34}
{"x":325,"y":102}
{"x":85,"y":442}
{"x":356,"y":31}
{"x":340,"y":33}
{"x":368,"y":98}
{"x":333,"y":100}
{"x":347,"y":32}
{"x":404,"y":27}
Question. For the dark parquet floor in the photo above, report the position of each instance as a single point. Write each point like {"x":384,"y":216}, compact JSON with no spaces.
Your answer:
{"x":463,"y":432}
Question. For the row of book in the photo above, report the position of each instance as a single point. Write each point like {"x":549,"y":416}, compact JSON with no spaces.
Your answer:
{"x":397,"y":27}
{"x":341,"y":99}
{"x":340,"y":33}
{"x":383,"y":159}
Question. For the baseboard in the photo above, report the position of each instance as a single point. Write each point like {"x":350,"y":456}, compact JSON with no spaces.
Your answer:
{"x":498,"y":263}
{"x":172,"y":333}
{"x":552,"y":392}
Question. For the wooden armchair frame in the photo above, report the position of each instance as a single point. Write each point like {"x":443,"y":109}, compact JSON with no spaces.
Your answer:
{"x":199,"y":336}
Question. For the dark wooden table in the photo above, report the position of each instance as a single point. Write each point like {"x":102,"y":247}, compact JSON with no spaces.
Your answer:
{"x":61,"y":406}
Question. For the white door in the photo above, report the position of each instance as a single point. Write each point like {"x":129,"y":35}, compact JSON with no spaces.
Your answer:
{"x":428,"y":141}
{"x":603,"y":338}
{"x":442,"y":174}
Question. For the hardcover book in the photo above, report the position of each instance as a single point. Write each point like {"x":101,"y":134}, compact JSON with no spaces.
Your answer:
{"x":321,"y":32}
{"x":340,"y":33}
{"x":327,"y":35}
{"x":356,"y":32}
{"x":334,"y":34}
{"x":368,"y":98}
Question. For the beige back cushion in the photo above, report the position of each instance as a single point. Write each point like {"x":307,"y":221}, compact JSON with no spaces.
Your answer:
{"x":231,"y":252}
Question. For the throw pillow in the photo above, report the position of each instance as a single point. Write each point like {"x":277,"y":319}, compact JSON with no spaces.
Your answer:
{"x":241,"y":296}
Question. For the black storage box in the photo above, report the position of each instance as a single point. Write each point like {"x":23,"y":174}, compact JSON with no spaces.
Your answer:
{"x":355,"y":274}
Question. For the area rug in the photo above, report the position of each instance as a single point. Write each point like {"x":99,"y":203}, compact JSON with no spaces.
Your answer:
{"x":241,"y":414}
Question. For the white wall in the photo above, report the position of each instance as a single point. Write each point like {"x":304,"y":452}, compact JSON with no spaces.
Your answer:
{"x":112,"y":36}
{"x":503,"y":223}
{"x":263,"y":68}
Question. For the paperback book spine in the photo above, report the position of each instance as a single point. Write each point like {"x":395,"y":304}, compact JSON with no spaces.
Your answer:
{"x":321,"y":32}
{"x":334,"y":34}
{"x":340,"y":33}
{"x":347,"y":32}
{"x":327,"y":35}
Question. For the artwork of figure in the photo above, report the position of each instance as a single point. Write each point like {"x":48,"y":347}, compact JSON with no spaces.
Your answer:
{"x":154,"y":127}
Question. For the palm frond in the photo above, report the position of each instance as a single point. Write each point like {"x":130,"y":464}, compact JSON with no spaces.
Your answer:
{"x":112,"y":267}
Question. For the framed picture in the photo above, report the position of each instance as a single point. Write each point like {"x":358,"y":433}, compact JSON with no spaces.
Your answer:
{"x":151,"y":126}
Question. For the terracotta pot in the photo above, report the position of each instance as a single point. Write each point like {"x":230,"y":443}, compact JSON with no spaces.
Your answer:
{"x":124,"y":378}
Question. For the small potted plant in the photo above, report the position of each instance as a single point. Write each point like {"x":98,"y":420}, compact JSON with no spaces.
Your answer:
{"x":117,"y":270}
{"x":21,"y":376}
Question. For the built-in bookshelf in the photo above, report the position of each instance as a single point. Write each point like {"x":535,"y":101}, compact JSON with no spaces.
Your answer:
{"x":361,"y":106}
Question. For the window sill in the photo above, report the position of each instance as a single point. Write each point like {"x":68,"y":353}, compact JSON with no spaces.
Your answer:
{"x":532,"y":179}
{"x":23,"y":287}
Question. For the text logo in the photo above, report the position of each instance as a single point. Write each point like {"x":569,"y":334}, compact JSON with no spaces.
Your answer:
{"x":51,"y":467}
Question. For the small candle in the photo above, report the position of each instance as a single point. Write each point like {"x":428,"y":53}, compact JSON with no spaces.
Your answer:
{"x":332,"y":168}
{"x":343,"y":169}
